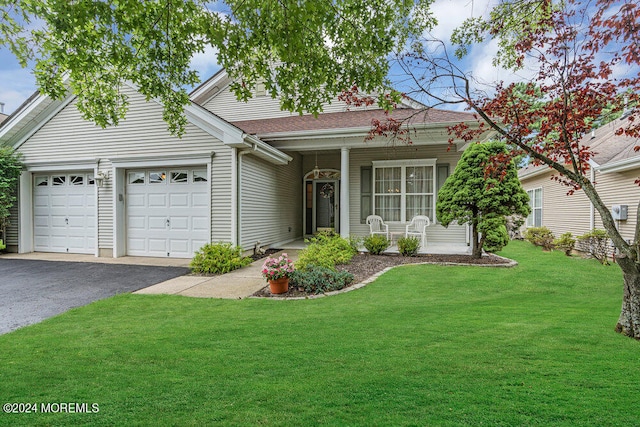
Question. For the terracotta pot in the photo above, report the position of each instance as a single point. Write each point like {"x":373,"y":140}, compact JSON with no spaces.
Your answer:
{"x":279,"y":286}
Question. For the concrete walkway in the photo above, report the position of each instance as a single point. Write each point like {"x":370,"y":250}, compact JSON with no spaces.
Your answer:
{"x":236,"y":284}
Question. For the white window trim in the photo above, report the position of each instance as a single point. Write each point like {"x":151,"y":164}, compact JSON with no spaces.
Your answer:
{"x":530,"y":222}
{"x":403,"y":199}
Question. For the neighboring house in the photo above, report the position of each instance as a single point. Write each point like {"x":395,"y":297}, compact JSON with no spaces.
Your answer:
{"x":615,"y":167}
{"x":242,"y":173}
{"x":3,"y":117}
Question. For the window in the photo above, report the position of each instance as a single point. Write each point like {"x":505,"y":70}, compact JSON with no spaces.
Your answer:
{"x":404,"y":189}
{"x":157,"y":177}
{"x":76,"y":179}
{"x":59,"y":180}
{"x":136,"y":177}
{"x":535,"y":203}
{"x":200,"y":175}
{"x":179,"y":177}
{"x":42,"y":181}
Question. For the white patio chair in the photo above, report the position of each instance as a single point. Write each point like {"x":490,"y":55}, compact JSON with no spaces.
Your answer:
{"x":418,"y":228}
{"x":377,"y":226}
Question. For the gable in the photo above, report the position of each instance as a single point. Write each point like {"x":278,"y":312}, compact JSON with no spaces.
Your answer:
{"x":67,"y":136}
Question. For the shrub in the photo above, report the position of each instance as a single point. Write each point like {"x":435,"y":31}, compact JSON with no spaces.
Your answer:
{"x":2,"y":246}
{"x":355,"y":242}
{"x":325,"y":250}
{"x":495,"y":233}
{"x":317,"y":280}
{"x":540,"y":236}
{"x":565,"y":243}
{"x":596,"y":244}
{"x":376,"y":243}
{"x":408,"y":246}
{"x":218,"y":258}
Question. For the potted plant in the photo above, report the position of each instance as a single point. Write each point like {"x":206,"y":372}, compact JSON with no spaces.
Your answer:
{"x":277,"y":272}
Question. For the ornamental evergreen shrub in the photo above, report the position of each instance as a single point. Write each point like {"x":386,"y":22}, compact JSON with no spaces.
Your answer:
{"x":408,"y":246}
{"x":2,"y":246}
{"x":376,"y":244}
{"x":218,"y":258}
{"x":565,"y":243}
{"x":495,"y":233}
{"x":317,"y":280}
{"x":326,"y":249}
{"x":540,"y":236}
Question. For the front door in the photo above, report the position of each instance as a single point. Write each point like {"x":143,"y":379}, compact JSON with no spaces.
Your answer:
{"x":321,"y":206}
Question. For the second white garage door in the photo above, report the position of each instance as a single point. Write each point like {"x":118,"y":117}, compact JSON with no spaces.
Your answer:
{"x":167,"y":212}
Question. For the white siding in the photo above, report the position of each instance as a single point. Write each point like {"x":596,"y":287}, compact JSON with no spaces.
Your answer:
{"x":12,"y":228}
{"x":618,"y":188}
{"x":271,"y":202}
{"x":229,"y":108}
{"x":561,"y":213}
{"x":68,"y":138}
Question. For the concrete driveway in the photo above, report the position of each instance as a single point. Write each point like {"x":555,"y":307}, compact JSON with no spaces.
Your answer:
{"x":32,"y":290}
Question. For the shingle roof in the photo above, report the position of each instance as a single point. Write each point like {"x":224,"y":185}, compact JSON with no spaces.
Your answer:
{"x":348,"y":119}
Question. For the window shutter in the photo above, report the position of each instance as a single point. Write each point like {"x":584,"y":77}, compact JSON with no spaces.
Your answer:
{"x":366,"y":204}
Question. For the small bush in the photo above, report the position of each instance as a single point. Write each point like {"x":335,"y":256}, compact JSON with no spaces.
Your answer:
{"x":565,"y":243}
{"x":325,"y":250}
{"x":540,"y":236}
{"x":376,"y":243}
{"x":317,"y":280}
{"x":596,"y":244}
{"x":355,"y":242}
{"x":218,"y":258}
{"x":495,"y":233}
{"x":2,"y":246}
{"x":408,"y":246}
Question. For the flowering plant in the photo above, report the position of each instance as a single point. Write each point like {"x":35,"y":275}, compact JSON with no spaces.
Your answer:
{"x":277,"y":268}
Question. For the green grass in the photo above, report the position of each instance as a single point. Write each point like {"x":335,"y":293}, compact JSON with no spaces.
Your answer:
{"x":423,"y":345}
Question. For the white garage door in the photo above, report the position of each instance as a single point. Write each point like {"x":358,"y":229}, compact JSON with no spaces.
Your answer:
{"x":167,"y":212}
{"x":64,"y":213}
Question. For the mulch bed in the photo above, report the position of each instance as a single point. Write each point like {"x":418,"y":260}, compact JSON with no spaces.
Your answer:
{"x":363,"y":266}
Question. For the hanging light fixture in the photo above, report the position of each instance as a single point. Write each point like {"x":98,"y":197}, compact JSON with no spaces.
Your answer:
{"x":316,"y":170}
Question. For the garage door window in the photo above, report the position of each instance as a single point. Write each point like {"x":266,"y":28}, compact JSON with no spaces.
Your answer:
{"x":200,"y":175}
{"x":59,"y":180}
{"x":179,"y":177}
{"x":76,"y":179}
{"x":136,"y":177}
{"x":157,"y":177}
{"x":42,"y":181}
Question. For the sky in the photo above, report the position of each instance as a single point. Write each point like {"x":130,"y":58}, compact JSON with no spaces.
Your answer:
{"x":17,"y":84}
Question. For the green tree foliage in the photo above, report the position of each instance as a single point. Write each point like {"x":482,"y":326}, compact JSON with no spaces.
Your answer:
{"x":481,"y":190}
{"x":10,"y":168}
{"x":305,"y":51}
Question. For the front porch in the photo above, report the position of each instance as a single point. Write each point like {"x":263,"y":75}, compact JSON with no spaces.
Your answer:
{"x":436,"y":248}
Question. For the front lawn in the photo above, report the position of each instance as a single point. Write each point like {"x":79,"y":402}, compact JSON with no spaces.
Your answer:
{"x":422,"y":345}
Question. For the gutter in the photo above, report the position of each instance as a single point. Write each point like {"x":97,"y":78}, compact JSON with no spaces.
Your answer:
{"x":620,"y":165}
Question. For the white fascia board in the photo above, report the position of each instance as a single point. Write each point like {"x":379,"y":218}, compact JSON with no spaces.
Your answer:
{"x":267,"y":152}
{"x":62,"y":165}
{"x":214,"y":125}
{"x":220,"y":79}
{"x":620,"y":165}
{"x":542,"y":169}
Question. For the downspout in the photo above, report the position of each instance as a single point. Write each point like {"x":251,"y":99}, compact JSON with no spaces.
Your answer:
{"x":239,"y":196}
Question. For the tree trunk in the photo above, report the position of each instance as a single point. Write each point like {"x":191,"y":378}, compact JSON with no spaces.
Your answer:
{"x":629,"y":321}
{"x":476,"y":248}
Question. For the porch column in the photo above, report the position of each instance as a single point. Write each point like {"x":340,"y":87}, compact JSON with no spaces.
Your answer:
{"x":344,"y":192}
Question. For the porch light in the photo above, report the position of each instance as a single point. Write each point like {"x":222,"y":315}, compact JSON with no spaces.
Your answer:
{"x":100,"y":178}
{"x":316,"y":170}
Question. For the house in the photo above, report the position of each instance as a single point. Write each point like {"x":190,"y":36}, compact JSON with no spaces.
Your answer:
{"x":614,"y":168}
{"x":242,"y":173}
